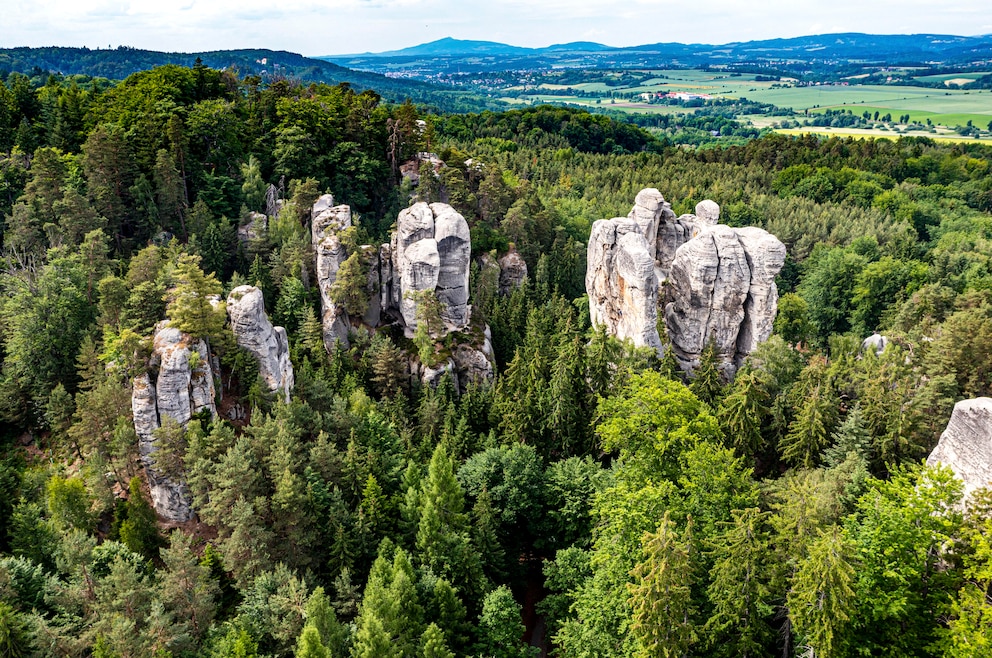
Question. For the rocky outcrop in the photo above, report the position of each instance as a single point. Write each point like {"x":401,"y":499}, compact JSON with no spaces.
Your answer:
{"x":621,"y":282}
{"x":966,"y":445}
{"x":254,"y":332}
{"x":431,"y":250}
{"x":713,"y":282}
{"x":326,"y":223}
{"x":876,"y":342}
{"x":512,"y":271}
{"x":178,"y":384}
{"x":254,"y":228}
{"x":429,"y":254}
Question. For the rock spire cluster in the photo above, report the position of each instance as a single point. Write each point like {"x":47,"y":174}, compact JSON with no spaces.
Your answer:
{"x":709,"y":282}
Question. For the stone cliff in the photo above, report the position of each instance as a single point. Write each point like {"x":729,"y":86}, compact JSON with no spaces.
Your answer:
{"x":711,"y":282}
{"x":429,"y":254}
{"x":254,"y":332}
{"x":179,"y":383}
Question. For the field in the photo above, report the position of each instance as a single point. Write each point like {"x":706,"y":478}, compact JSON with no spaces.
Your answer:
{"x":949,"y":107}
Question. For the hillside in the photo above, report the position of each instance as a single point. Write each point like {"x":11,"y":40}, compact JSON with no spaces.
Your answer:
{"x":797,"y":53}
{"x":270,"y":65}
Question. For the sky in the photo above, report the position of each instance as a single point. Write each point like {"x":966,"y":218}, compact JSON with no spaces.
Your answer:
{"x":328,"y":27}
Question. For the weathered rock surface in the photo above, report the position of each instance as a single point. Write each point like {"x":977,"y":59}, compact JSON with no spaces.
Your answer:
{"x":255,"y":333}
{"x":512,"y":271}
{"x":620,"y":280}
{"x":431,"y":251}
{"x":966,"y":445}
{"x":178,"y":385}
{"x":708,"y":285}
{"x":876,"y":342}
{"x":327,"y":221}
{"x":716,"y":283}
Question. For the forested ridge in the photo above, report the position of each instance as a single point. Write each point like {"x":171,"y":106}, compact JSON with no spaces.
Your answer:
{"x":591,"y":500}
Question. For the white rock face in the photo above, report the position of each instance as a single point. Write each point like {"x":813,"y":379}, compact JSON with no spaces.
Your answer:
{"x":431,"y":250}
{"x":620,"y":280}
{"x":327,"y":222}
{"x":183,"y":385}
{"x":966,"y":445}
{"x":254,"y":229}
{"x":708,"y":284}
{"x":255,"y":333}
{"x":716,"y":282}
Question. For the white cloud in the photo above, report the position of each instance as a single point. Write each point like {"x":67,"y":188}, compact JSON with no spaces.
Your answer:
{"x":338,"y":26}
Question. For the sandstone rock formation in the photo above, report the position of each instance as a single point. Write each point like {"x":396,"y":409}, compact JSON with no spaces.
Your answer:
{"x":429,"y":253}
{"x":620,"y":280}
{"x":255,"y":333}
{"x":876,"y":342}
{"x":712,"y":281}
{"x":253,"y":229}
{"x":178,"y":384}
{"x":512,"y":271}
{"x":327,"y":221}
{"x":966,"y":444}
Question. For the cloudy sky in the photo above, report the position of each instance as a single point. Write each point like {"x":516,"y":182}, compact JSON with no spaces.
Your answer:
{"x":323,"y":27}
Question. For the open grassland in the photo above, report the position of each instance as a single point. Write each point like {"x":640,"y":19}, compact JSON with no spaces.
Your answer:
{"x":944,"y":107}
{"x":950,"y":77}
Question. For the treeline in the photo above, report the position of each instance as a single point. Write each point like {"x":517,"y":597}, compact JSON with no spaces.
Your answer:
{"x":591,"y":491}
{"x":268,"y":65}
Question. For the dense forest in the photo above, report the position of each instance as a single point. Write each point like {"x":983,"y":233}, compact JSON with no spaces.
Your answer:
{"x":591,"y":501}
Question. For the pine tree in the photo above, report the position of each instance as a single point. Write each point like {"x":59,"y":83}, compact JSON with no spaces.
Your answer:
{"x":309,"y":644}
{"x":741,"y":413}
{"x":501,"y":628}
{"x":254,"y":187}
{"x":190,"y":310}
{"x":186,"y":586}
{"x":660,"y":595}
{"x":139,"y":531}
{"x":443,"y":532}
{"x":852,"y":436}
{"x":433,"y":644}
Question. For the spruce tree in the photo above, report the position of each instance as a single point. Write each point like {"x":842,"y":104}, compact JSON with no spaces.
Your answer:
{"x":738,"y":590}
{"x":660,"y":595}
{"x":821,"y":598}
{"x":707,"y":381}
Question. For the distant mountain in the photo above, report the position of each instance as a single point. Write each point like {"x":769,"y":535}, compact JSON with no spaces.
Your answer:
{"x":121,"y":62}
{"x":817,"y":51}
{"x":448,"y":46}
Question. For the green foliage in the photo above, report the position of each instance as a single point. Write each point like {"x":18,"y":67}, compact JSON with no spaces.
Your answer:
{"x":189,"y":308}
{"x":500,"y":627}
{"x":139,"y":531}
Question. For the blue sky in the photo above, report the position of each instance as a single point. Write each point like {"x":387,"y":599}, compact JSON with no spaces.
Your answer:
{"x":315,"y":27}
